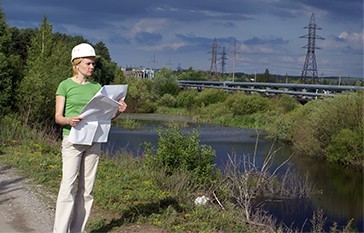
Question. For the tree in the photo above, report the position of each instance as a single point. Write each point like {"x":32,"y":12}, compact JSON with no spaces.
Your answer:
{"x":266,"y":77}
{"x":47,"y":64}
{"x":102,"y":51}
{"x":165,"y":82}
{"x":119,"y":77}
{"x":105,"y":69}
{"x":10,"y":67}
{"x":191,"y":74}
{"x":21,"y":40}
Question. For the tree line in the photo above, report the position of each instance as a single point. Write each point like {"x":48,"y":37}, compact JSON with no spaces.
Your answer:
{"x":32,"y":64}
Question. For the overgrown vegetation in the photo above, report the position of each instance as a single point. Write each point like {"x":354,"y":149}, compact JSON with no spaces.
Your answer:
{"x":154,"y":190}
{"x":330,"y":128}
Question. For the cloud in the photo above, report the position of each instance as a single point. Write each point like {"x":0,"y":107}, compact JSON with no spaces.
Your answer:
{"x":352,"y":37}
{"x":148,"y":25}
{"x":346,"y":42}
{"x":147,"y":38}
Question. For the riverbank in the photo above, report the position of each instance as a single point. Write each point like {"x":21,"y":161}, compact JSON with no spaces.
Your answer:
{"x":125,"y":187}
{"x":132,"y":194}
{"x":334,"y":183}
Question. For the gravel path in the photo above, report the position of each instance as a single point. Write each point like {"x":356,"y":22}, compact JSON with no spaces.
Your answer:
{"x":28,"y":208}
{"x":23,"y":206}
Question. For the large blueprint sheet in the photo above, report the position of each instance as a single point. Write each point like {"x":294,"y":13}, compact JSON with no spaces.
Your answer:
{"x":97,"y":114}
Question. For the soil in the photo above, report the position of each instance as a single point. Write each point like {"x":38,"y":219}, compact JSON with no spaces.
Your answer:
{"x":28,"y":207}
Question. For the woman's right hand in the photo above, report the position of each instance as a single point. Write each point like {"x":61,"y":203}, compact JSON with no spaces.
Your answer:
{"x":73,"y":121}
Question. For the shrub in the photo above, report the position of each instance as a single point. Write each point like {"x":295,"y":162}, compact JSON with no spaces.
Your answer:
{"x":248,"y":104}
{"x":346,"y":147}
{"x":178,"y":151}
{"x":140,"y":98}
{"x":211,"y":96}
{"x":320,"y":124}
{"x":214,"y":113}
{"x":167,"y":100}
{"x":165,"y":82}
{"x":186,"y":98}
{"x":284,"y":104}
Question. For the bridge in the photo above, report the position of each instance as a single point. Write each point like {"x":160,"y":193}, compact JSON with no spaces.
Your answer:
{"x":300,"y":91}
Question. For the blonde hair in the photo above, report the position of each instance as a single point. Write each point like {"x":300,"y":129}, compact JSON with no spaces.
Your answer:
{"x":75,"y":62}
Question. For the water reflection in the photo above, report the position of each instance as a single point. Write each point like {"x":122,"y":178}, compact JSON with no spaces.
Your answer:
{"x":341,"y":189}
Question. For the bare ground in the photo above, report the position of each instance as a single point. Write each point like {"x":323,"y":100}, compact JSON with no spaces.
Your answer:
{"x":27,"y":207}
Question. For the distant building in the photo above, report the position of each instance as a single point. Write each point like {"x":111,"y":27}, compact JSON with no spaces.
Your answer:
{"x":139,"y":72}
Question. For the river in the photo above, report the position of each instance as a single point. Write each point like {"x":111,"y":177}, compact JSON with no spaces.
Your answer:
{"x":341,"y":189}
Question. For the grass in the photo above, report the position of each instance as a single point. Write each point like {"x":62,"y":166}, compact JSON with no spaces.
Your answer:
{"x":127,"y":191}
{"x":125,"y":188}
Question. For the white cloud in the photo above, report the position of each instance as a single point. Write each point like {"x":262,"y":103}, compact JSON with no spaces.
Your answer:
{"x":148,"y":25}
{"x":161,"y":47}
{"x":355,"y":36}
{"x":345,"y":40}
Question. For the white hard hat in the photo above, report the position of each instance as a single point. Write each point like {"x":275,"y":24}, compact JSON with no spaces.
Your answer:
{"x":83,"y":50}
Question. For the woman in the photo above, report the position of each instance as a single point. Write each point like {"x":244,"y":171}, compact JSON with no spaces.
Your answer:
{"x":79,"y":162}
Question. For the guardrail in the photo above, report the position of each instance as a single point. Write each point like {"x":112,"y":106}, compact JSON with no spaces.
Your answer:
{"x":298,"y":90}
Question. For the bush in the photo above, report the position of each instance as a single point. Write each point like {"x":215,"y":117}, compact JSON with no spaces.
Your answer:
{"x":346,"y":147}
{"x":186,"y":98}
{"x":165,"y":82}
{"x":167,"y":100}
{"x":321,"y":124}
{"x":284,"y":104}
{"x":178,"y":151}
{"x":247,"y":104}
{"x":140,"y":98}
{"x":211,"y":96}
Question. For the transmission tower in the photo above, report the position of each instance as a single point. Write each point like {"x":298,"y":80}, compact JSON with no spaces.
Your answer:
{"x":223,"y":59}
{"x":213,"y":67}
{"x":309,"y":70}
{"x":234,"y":59}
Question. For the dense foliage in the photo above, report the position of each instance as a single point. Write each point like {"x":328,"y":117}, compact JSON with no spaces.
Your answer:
{"x":331,"y":128}
{"x":34,"y":61}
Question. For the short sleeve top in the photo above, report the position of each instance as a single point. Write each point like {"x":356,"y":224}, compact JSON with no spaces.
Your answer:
{"x":76,"y":97}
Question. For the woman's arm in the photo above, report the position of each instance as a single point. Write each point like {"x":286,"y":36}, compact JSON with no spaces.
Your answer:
{"x":59,"y":115}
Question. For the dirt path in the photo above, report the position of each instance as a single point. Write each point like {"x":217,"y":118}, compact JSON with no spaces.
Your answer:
{"x":28,"y":208}
{"x":22,"y":209}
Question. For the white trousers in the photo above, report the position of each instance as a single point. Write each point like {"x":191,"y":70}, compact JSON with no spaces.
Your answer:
{"x":79,"y":165}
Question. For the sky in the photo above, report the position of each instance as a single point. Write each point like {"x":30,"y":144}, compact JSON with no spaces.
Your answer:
{"x":263,"y":34}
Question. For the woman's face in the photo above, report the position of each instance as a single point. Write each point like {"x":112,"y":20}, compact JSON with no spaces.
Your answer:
{"x":86,"y":66}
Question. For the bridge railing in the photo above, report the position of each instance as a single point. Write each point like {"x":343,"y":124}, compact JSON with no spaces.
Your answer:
{"x":302,"y":90}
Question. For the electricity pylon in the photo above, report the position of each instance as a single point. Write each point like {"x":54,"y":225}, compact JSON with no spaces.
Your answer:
{"x":309,"y":70}
{"x":223,"y":59}
{"x":213,"y":67}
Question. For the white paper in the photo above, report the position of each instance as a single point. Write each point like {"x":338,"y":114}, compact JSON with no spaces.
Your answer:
{"x":97,"y":114}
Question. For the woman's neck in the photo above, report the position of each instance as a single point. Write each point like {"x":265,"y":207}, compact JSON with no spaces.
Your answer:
{"x":80,"y":79}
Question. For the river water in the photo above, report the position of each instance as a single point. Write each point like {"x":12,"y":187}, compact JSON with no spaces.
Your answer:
{"x":340,"y":190}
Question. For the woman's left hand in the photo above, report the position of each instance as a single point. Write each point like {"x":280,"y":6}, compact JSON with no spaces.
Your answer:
{"x":123,"y":106}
